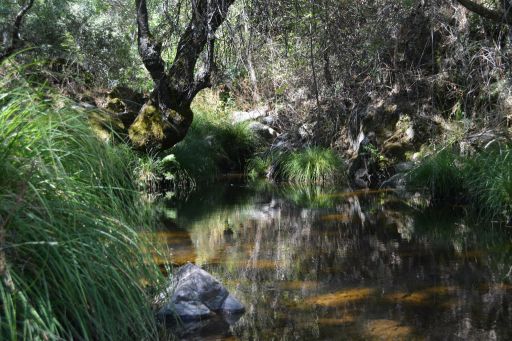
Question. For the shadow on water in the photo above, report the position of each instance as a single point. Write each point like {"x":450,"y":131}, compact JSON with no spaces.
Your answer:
{"x":330,"y":264}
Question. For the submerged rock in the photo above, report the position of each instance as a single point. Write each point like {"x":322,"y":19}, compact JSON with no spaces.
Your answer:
{"x":196,"y":295}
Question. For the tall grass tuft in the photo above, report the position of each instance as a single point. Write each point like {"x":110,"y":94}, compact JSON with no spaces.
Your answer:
{"x":73,"y":262}
{"x":488,"y":179}
{"x":482,"y":180}
{"x":441,"y":174}
{"x":312,"y":165}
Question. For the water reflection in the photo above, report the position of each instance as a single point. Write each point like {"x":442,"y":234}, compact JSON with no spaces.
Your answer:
{"x":310,"y":264}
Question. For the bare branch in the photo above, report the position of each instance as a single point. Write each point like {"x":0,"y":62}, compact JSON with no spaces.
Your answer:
{"x":203,"y":80}
{"x":498,"y":16}
{"x":150,"y":52}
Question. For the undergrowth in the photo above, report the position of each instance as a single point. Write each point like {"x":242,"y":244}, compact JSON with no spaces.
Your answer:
{"x":482,"y":181}
{"x":73,"y":262}
{"x":213,"y":146}
{"x":312,"y":165}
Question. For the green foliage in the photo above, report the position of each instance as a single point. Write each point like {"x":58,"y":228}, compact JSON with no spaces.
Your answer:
{"x":258,"y":167}
{"x":488,"y":179}
{"x":72,"y":222}
{"x":484,"y":180}
{"x":307,"y":166}
{"x":312,"y":165}
{"x":441,"y":174}
{"x":213,"y":145}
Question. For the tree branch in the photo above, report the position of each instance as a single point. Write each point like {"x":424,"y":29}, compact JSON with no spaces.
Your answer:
{"x":150,"y":52}
{"x":15,"y":37}
{"x":498,"y":16}
{"x":203,"y":80}
{"x":207,"y":16}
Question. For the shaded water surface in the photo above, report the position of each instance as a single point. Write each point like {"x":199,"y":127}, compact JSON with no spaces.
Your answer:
{"x":310,"y":264}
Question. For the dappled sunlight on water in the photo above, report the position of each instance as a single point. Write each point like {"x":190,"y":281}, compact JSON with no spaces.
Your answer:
{"x":339,"y":297}
{"x":345,"y":265}
{"x":424,"y":296}
{"x":388,"y":330}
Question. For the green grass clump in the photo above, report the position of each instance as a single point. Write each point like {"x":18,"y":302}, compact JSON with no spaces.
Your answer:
{"x":482,"y":180}
{"x":441,"y":174}
{"x":258,"y":167}
{"x":488,"y":180}
{"x":73,"y":263}
{"x":308,"y":166}
{"x":311,"y":165}
{"x":212,"y":147}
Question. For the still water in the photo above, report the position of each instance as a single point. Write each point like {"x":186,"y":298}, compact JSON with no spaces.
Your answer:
{"x":311,"y":263}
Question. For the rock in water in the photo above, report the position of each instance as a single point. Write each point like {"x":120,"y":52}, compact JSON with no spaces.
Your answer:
{"x":232,"y":306}
{"x":196,"y":295}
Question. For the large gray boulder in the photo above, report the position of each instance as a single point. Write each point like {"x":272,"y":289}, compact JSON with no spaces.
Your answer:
{"x":195,"y":295}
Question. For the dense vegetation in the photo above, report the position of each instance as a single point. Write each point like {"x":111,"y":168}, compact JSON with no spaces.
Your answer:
{"x":482,"y":180}
{"x":104,"y":102}
{"x":73,"y":260}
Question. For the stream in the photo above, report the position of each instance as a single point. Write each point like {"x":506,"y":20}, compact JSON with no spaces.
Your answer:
{"x":329,"y":264}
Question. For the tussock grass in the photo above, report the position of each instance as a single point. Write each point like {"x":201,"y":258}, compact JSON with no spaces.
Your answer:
{"x":73,"y":262}
{"x":312,"y":165}
{"x":259,"y":167}
{"x":483,"y":180}
{"x":308,"y":166}
{"x":441,"y":174}
{"x":488,"y":180}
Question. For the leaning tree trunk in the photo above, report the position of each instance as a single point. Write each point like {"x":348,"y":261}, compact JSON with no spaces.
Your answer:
{"x":166,"y":117}
{"x":16,"y":41}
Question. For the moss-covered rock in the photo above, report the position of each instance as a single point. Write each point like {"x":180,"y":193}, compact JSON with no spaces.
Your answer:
{"x":151,"y":131}
{"x":115,"y":105}
{"x":125,"y":103}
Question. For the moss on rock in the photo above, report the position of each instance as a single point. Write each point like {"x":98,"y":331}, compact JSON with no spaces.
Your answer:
{"x":150,"y":130}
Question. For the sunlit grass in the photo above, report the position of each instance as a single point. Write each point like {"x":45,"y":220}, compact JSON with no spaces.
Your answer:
{"x":312,"y":165}
{"x":70,"y":222}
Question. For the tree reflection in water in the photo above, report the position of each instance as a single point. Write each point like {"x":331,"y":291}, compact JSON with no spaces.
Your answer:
{"x":313,"y":264}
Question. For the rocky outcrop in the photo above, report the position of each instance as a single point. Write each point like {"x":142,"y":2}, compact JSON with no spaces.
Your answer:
{"x":124,"y":103}
{"x":194,"y":294}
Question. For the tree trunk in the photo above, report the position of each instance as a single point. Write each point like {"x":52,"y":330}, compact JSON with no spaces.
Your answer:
{"x":15,"y":33}
{"x":165,"y":119}
{"x":502,"y":15}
